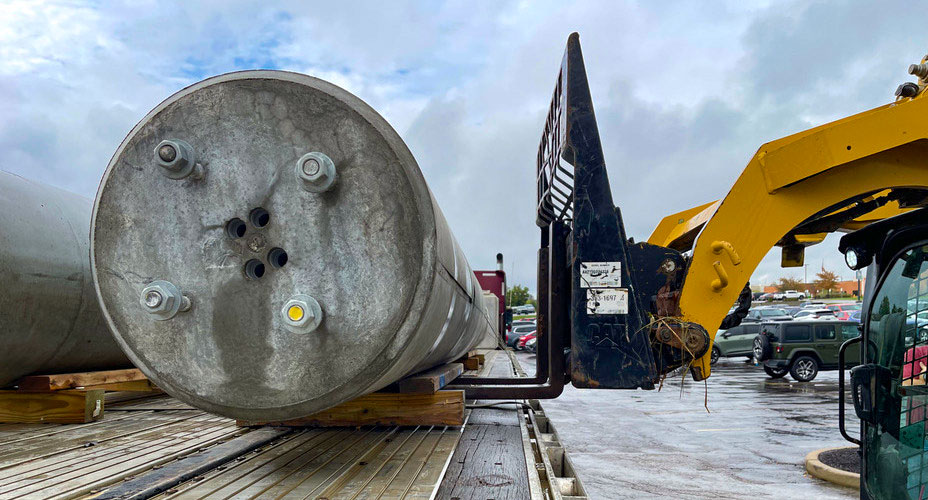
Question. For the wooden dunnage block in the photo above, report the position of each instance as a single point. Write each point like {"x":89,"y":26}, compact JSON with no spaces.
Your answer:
{"x":470,"y":363}
{"x":133,"y":386}
{"x":429,"y":382}
{"x":87,"y":379}
{"x":60,"y":407}
{"x":385,"y":408}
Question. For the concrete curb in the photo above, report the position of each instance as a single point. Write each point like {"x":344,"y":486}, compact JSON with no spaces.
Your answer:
{"x":818,"y":469}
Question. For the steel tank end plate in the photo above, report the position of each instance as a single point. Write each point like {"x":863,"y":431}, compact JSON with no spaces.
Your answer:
{"x":261,"y":244}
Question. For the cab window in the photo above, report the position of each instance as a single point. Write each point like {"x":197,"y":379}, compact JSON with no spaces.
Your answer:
{"x":772,"y":330}
{"x":772,"y":312}
{"x":797,"y":333}
{"x":849,"y":332}
{"x":824,"y":332}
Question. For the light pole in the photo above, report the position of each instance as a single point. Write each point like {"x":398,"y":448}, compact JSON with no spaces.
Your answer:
{"x":859,"y":298}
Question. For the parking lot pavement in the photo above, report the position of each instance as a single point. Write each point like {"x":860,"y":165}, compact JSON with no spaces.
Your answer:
{"x":663,"y":444}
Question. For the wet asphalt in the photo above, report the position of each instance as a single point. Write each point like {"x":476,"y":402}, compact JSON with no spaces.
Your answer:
{"x":664,"y":444}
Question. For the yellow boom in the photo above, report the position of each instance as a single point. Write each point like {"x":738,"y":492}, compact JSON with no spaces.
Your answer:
{"x":791,"y":187}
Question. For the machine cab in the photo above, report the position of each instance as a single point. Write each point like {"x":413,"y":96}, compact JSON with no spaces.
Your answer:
{"x":890,"y":387}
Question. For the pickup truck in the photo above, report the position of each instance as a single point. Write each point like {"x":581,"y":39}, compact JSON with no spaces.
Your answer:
{"x":793,"y":294}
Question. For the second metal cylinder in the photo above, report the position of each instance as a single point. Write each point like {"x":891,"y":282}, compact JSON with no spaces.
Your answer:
{"x":49,"y":318}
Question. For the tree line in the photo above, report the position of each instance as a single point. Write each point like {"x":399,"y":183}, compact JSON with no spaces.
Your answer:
{"x":826,"y":283}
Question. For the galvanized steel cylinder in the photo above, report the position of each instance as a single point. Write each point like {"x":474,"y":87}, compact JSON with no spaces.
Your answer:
{"x":265,"y":246}
{"x":49,"y":318}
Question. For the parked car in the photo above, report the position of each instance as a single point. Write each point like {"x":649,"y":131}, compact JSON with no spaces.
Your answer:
{"x":812,"y":304}
{"x":843,"y":311}
{"x":760,"y":314}
{"x":526,"y":309}
{"x":513,"y":336}
{"x":793,"y":295}
{"x":854,"y":316}
{"x":531,"y":345}
{"x":803,"y":348}
{"x":765,"y":297}
{"x":791,"y":310}
{"x":815,"y":314}
{"x":520,"y":345}
{"x":737,"y":341}
{"x":918,"y":321}
{"x":918,"y":304}
{"x":522,"y":322}
{"x":777,"y":296}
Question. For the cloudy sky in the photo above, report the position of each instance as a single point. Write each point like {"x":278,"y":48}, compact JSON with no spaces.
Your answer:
{"x":685,"y":92}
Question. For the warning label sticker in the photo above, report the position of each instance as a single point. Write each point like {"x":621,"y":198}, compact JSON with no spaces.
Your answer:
{"x":607,"y":301}
{"x":600,"y":274}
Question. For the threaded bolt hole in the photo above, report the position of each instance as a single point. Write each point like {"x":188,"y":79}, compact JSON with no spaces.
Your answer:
{"x":254,"y":269}
{"x":277,"y":258}
{"x":259,"y":217}
{"x":236,"y":228}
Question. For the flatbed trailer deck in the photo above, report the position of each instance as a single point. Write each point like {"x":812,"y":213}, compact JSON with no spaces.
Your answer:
{"x":157,"y":447}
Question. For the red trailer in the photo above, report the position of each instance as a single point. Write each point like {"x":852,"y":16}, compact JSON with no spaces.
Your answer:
{"x":495,"y":283}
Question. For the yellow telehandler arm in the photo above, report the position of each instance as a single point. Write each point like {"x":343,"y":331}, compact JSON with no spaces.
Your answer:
{"x":841,"y":175}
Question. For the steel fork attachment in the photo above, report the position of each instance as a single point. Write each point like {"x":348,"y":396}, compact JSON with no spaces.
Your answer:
{"x":608,"y":313}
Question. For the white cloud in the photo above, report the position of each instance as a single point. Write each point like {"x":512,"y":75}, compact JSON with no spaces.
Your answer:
{"x":684,"y":92}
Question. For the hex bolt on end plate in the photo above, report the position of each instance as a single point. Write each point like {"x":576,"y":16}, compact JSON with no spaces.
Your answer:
{"x":301,"y":314}
{"x":316,"y":171}
{"x":163,"y":300}
{"x":177,"y":159}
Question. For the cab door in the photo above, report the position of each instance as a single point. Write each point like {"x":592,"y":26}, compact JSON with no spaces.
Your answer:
{"x":889,"y":391}
{"x":826,"y":343}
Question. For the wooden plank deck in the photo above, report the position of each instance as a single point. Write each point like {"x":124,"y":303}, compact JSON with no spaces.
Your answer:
{"x":490,"y":460}
{"x":68,"y":461}
{"x":144,"y":439}
{"x":378,"y":462}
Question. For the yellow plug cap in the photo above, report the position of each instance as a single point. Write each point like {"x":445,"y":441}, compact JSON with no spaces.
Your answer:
{"x":295,"y":313}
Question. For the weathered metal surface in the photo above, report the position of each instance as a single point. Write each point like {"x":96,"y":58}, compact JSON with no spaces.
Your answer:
{"x":49,"y":318}
{"x":395,"y":293}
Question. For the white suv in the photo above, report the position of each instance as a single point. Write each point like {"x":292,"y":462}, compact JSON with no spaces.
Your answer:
{"x":793,"y":294}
